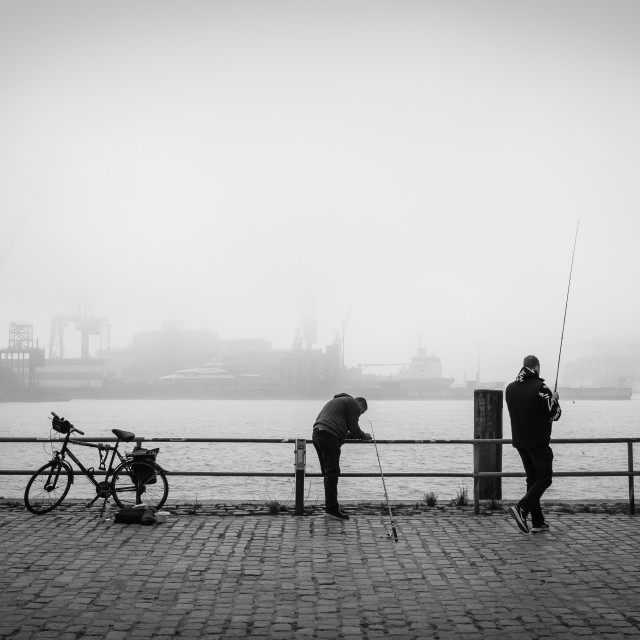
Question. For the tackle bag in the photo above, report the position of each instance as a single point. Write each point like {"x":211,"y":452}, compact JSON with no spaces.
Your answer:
{"x":136,"y":515}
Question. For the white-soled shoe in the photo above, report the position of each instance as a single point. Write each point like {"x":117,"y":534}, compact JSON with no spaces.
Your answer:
{"x":520,"y":517}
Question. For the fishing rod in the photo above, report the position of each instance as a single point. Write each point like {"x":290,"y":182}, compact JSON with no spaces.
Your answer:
{"x":566,"y":304}
{"x":386,"y":495}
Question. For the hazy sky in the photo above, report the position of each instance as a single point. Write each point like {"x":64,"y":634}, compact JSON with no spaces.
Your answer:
{"x":421,"y":164}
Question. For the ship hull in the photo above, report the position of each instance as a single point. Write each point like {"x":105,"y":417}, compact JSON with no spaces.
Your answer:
{"x":595,"y":393}
{"x":377,"y":392}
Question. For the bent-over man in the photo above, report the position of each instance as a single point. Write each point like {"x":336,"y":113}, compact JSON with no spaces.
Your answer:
{"x":337,"y":421}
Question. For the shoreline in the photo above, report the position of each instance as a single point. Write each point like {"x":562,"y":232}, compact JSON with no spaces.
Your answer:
{"x":240,"y":508}
{"x":155,"y":392}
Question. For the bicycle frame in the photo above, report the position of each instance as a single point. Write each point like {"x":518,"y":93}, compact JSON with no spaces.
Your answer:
{"x":89,"y":473}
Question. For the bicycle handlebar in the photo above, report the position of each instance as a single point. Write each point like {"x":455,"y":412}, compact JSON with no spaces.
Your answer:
{"x":66,"y":423}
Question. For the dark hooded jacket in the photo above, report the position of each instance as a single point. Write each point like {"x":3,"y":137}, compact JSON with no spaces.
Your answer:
{"x":532,"y":410}
{"x":340,"y":418}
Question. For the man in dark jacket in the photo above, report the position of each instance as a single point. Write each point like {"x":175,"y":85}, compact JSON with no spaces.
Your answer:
{"x":337,"y":421}
{"x":532,"y":408}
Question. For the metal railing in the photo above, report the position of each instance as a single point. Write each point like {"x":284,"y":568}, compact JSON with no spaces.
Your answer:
{"x":300,"y":448}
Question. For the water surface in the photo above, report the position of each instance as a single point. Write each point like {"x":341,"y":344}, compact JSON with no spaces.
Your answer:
{"x":429,"y":419}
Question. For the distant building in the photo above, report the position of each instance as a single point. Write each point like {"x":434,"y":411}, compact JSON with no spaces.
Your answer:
{"x":253,"y":363}
{"x":235,"y":346}
{"x":18,"y":367}
{"x":72,"y":373}
{"x":154,"y":354}
{"x":311,"y":368}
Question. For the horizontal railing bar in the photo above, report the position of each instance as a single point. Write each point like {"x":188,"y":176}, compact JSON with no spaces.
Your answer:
{"x":144,"y":439}
{"x":576,"y":474}
{"x":560,"y":441}
{"x":26,"y":472}
{"x":432,"y":474}
{"x":293,"y":440}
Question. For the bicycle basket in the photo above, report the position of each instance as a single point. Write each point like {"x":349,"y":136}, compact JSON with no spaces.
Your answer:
{"x":60,"y":425}
{"x":143,"y":472}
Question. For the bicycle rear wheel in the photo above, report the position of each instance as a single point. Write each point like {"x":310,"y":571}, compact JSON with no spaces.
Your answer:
{"x":48,"y":487}
{"x":139,"y":483}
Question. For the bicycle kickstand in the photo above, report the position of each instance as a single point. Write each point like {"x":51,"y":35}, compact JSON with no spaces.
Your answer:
{"x":104,"y":504}
{"x":90,"y":504}
{"x":105,"y":512}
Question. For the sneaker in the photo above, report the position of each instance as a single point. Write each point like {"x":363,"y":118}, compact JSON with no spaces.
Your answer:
{"x":336,"y":513}
{"x":540,"y":528}
{"x":520,"y":517}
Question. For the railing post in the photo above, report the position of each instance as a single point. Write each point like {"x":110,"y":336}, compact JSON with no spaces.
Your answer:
{"x":300,"y":464}
{"x":632,"y":498}
{"x":487,"y":424}
{"x":476,"y":483}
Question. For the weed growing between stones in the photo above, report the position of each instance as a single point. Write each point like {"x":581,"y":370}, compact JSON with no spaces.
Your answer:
{"x":431,"y":499}
{"x":275,"y":507}
{"x":192,"y":507}
{"x":461,"y":499}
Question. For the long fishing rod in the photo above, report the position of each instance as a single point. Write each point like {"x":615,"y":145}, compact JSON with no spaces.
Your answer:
{"x":566,"y":304}
{"x":386,"y":495}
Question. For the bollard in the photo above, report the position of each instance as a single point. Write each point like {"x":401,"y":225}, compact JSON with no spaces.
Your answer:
{"x":487,"y":424}
{"x":300,"y":464}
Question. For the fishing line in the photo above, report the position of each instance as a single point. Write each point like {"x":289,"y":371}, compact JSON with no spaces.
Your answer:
{"x":566,"y":304}
{"x":384,"y":485}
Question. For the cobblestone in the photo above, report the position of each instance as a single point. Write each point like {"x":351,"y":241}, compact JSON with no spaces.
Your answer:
{"x":69,"y":575}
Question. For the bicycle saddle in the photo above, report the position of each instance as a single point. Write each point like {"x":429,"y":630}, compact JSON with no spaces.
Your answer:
{"x":126,"y":436}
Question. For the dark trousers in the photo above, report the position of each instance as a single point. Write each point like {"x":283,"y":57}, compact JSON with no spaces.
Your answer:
{"x":328,"y":449}
{"x":538,"y":465}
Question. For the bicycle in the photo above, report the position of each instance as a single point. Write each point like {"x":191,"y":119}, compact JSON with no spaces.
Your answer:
{"x":136,"y":475}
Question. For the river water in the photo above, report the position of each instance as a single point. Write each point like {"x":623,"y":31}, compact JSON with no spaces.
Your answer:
{"x":429,"y":419}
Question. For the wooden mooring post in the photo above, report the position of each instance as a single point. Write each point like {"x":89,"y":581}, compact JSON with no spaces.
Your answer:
{"x":487,"y":424}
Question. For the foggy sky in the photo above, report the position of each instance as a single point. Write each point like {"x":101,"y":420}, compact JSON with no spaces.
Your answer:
{"x":416,"y":168}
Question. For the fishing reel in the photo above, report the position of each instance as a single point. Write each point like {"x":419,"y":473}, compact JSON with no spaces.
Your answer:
{"x":393,"y":533}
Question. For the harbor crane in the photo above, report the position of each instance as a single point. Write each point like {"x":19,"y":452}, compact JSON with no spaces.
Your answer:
{"x":86,"y":323}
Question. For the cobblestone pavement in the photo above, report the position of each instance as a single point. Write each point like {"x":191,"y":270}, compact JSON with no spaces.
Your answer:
{"x":68,"y":575}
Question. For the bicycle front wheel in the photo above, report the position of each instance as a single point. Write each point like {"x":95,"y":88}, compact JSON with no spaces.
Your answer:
{"x":48,"y":487}
{"x":139,"y":483}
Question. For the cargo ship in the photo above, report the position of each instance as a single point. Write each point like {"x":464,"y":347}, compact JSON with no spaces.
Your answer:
{"x":595,"y":393}
{"x":419,"y":379}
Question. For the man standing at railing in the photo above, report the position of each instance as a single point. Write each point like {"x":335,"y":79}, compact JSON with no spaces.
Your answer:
{"x":533,"y":407}
{"x":337,"y":421}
